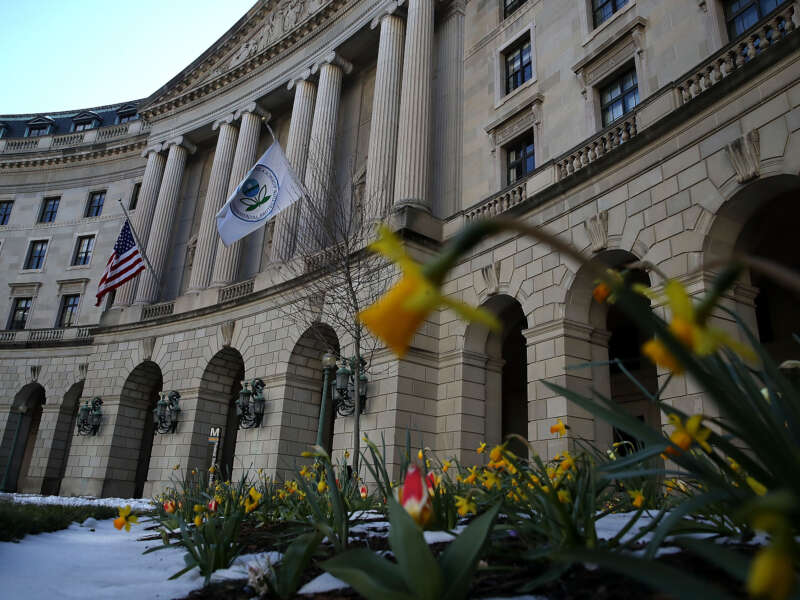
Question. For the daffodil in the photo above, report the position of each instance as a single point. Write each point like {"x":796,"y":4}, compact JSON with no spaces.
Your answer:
{"x":253,"y":498}
{"x":759,"y":488}
{"x":559,"y":428}
{"x":125,"y":518}
{"x":601,"y":292}
{"x":465,"y":506}
{"x":473,"y":475}
{"x":198,"y":520}
{"x":566,"y":463}
{"x":490,"y":480}
{"x":420,"y":455}
{"x":637,"y":498}
{"x":563,"y":496}
{"x":482,"y":448}
{"x":688,"y":326}
{"x":397,"y":315}
{"x":322,"y":486}
{"x":445,"y":466}
{"x":496,"y":454}
{"x":771,"y":574}
{"x":684,"y":435}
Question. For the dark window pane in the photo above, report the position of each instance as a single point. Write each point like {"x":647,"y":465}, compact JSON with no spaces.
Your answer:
{"x":520,"y":158}
{"x":68,"y":314}
{"x":135,"y":196}
{"x":5,"y":211}
{"x":83,"y":250}
{"x":36,"y":253}
{"x":519,"y":67}
{"x":604,"y":9}
{"x":619,"y":97}
{"x":49,"y":210}
{"x":509,"y":6}
{"x":95,"y":205}
{"x":19,"y":313}
{"x":741,"y":15}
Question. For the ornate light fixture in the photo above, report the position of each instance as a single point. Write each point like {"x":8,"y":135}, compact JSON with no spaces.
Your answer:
{"x":89,"y":417}
{"x":165,"y":414}
{"x":328,"y":365}
{"x":250,"y":405}
{"x":345,"y":387}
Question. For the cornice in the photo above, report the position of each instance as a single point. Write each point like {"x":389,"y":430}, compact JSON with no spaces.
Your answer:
{"x":133,"y":147}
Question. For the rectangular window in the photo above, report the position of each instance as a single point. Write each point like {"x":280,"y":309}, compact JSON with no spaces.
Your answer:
{"x":603,"y":10}
{"x":84,"y":126}
{"x":36,"y":253}
{"x":509,"y":6}
{"x":49,"y":210}
{"x":741,"y":15}
{"x":83,"y":250}
{"x":94,"y":207}
{"x":19,"y":313}
{"x":135,"y":196}
{"x":5,"y":211}
{"x":520,"y":158}
{"x":127,"y":118}
{"x":38,"y":130}
{"x":68,"y":313}
{"x":619,"y":97}
{"x":519,"y":68}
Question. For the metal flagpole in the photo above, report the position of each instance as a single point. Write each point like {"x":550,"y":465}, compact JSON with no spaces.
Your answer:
{"x":141,"y":248}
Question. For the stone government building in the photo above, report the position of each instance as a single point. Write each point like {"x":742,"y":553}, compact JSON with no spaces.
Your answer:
{"x":649,"y":130}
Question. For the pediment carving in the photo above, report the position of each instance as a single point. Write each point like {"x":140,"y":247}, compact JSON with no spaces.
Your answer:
{"x":226,"y":330}
{"x":491,"y":277}
{"x":745,"y":156}
{"x":597,"y":230}
{"x":148,"y":345}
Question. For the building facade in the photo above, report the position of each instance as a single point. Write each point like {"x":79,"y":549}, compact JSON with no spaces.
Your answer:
{"x":662,"y":133}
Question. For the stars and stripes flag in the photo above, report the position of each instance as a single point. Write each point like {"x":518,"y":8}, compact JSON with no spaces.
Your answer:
{"x":124,"y":264}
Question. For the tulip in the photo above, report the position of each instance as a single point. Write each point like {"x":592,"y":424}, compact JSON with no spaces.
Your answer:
{"x":414,"y":497}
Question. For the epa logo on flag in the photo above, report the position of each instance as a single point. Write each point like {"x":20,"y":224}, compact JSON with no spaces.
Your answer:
{"x":257,"y":195}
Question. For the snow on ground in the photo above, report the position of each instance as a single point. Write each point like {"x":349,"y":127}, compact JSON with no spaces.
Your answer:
{"x":137,"y":504}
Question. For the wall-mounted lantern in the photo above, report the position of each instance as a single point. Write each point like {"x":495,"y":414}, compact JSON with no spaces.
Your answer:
{"x":89,"y":417}
{"x":165,"y":414}
{"x":345,"y":386}
{"x":250,"y":404}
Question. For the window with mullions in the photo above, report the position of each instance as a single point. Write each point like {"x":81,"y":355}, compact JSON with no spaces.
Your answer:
{"x":519,"y":68}
{"x":126,"y":118}
{"x":83,"y":250}
{"x":741,"y":15}
{"x":509,"y":6}
{"x":5,"y":211}
{"x":520,"y":158}
{"x":619,"y":97}
{"x":19,"y":313}
{"x":37,"y":131}
{"x":36,"y":253}
{"x":603,"y":10}
{"x":135,"y":196}
{"x":84,"y":126}
{"x":68,"y":313}
{"x":94,"y":207}
{"x":49,"y":210}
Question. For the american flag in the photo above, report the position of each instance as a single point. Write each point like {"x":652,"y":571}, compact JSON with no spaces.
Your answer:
{"x":124,"y":264}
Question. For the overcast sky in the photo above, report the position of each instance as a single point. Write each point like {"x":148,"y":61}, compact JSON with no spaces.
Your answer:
{"x":69,"y":54}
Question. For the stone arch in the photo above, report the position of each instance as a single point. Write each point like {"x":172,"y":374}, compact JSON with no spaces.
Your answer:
{"x":220,"y":385}
{"x":760,"y":219}
{"x":62,"y":435}
{"x":20,"y":438}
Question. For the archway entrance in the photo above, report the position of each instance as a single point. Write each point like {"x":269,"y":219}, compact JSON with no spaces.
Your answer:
{"x":137,"y":401}
{"x":219,"y":388}
{"x":305,"y":382}
{"x":26,"y":414}
{"x":506,"y":381}
{"x":62,"y":439}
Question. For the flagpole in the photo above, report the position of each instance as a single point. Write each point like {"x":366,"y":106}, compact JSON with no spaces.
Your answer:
{"x":141,"y":248}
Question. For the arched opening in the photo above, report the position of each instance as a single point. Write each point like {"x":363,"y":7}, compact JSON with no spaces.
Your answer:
{"x":219,"y":389}
{"x":62,"y":439}
{"x":506,"y":377}
{"x":26,"y":415}
{"x":305,"y":381}
{"x":137,"y":401}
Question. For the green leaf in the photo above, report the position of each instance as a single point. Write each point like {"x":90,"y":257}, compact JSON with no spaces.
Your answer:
{"x":459,"y":559}
{"x":420,"y":569}
{"x":736,"y":565}
{"x":373,"y":577}
{"x":296,"y":560}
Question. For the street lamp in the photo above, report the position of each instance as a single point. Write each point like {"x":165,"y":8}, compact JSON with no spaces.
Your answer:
{"x":250,"y":405}
{"x":89,"y":417}
{"x":328,"y":365}
{"x":165,"y":414}
{"x":345,"y":386}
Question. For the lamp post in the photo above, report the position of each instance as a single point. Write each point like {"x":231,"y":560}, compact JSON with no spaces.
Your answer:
{"x":165,"y":414}
{"x":89,"y":417}
{"x":250,"y":404}
{"x":328,"y":365}
{"x":21,"y":411}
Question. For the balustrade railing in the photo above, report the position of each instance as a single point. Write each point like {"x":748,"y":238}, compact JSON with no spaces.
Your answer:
{"x":22,"y":145}
{"x":607,"y":140}
{"x":499,"y":203}
{"x":108,"y":133}
{"x":237,"y":290}
{"x":7,"y":336}
{"x":154,"y":311}
{"x":45,"y":335}
{"x":73,"y":139}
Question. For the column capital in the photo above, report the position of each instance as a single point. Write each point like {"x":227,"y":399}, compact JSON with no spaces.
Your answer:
{"x":152,"y":148}
{"x":254,"y":108}
{"x":390,"y":9}
{"x":303,"y":75}
{"x":227,"y":119}
{"x":181,"y":141}
{"x":336,"y":59}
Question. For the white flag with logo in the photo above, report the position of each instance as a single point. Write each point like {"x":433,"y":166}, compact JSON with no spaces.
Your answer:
{"x":266,"y":190}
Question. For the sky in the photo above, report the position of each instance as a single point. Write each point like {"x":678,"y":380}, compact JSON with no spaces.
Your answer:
{"x":69,"y":54}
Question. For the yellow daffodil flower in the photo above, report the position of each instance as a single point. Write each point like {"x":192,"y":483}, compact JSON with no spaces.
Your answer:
{"x":472,"y":477}
{"x":559,"y":428}
{"x":445,"y":466}
{"x":771,"y":574}
{"x":125,"y":518}
{"x":322,"y":486}
{"x":637,"y":498}
{"x":465,"y":506}
{"x":563,"y":496}
{"x":482,"y":448}
{"x":490,"y":480}
{"x":755,"y":485}
{"x":397,"y":315}
{"x":601,"y":292}
{"x":253,"y":499}
{"x":566,"y":463}
{"x":198,"y":520}
{"x":420,"y":455}
{"x":683,"y":435}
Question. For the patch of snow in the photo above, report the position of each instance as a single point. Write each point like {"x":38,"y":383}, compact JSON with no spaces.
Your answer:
{"x":90,"y":522}
{"x":238,"y":569}
{"x":436,"y":537}
{"x":366,"y":515}
{"x":137,"y":504}
{"x":324,"y":583}
{"x":367,"y":527}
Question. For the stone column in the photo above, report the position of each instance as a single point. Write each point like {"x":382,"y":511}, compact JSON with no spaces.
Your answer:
{"x":216,"y":195}
{"x":161,"y":230}
{"x":226,"y":264}
{"x":143,"y":218}
{"x":414,"y":134}
{"x":319,"y":169}
{"x":297,"y":154}
{"x":382,"y":153}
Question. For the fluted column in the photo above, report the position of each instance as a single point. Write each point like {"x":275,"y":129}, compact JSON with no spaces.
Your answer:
{"x":297,"y":154}
{"x":164,"y":217}
{"x":382,"y":153}
{"x":216,"y":195}
{"x":323,"y":141}
{"x":143,"y":218}
{"x":226,"y":263}
{"x":414,"y":133}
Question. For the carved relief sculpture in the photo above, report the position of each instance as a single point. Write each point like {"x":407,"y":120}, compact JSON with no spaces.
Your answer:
{"x":745,"y":156}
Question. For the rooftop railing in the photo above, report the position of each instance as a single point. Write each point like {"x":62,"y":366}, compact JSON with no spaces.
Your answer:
{"x":68,"y":140}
